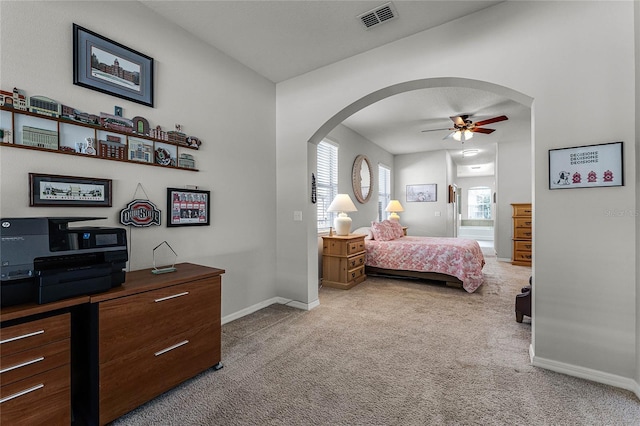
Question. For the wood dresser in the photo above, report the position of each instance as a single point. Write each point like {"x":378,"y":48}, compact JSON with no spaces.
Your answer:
{"x":343,"y":260}
{"x":35,"y":363}
{"x":150,"y":334}
{"x":522,"y":234}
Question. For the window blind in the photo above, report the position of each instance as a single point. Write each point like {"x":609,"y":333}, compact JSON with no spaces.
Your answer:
{"x":326,"y":183}
{"x":384,"y":190}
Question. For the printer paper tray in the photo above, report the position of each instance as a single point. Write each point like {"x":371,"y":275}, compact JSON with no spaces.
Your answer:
{"x":56,"y":285}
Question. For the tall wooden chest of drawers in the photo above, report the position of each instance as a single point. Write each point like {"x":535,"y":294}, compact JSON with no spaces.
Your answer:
{"x":343,"y":260}
{"x":522,"y":234}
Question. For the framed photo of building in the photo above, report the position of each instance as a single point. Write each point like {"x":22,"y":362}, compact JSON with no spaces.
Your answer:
{"x":422,"y":193}
{"x":188,"y":207}
{"x":586,"y":166}
{"x":109,"y":67}
{"x":68,"y":191}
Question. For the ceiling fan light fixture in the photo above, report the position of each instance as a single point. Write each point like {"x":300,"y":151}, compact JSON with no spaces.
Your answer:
{"x":463,"y":135}
{"x":470,"y":152}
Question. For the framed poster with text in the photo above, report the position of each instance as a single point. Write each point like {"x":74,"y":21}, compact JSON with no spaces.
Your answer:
{"x":586,"y":166}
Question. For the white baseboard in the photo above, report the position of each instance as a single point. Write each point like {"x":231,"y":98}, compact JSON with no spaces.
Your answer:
{"x":585,"y":373}
{"x":504,"y":259}
{"x":281,"y":300}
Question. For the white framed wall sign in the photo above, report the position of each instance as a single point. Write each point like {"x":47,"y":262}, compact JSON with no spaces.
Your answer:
{"x":586,"y":166}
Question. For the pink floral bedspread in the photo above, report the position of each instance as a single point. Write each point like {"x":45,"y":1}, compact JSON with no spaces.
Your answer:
{"x":459,"y":257}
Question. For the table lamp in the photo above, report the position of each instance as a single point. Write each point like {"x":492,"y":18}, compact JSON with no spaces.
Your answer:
{"x":394,"y":206}
{"x":343,"y":204}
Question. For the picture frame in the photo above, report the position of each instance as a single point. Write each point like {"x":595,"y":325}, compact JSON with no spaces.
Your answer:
{"x":68,"y":191}
{"x":587,"y":166}
{"x":109,"y":67}
{"x":188,"y":207}
{"x":422,"y":193}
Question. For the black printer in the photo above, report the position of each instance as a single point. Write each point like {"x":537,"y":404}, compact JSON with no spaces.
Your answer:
{"x":44,"y":260}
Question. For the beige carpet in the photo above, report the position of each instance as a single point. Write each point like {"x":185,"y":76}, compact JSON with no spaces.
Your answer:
{"x":389,"y":352}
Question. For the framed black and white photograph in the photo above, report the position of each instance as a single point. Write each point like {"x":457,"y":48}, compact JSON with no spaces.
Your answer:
{"x":68,"y":191}
{"x":422,"y":193}
{"x":188,"y":207}
{"x":586,"y":166}
{"x":110,"y":67}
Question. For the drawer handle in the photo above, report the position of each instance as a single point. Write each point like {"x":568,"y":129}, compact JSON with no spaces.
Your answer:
{"x":24,"y":364}
{"x":170,"y":348}
{"x":24,"y":336}
{"x":24,"y":392}
{"x":162,"y":299}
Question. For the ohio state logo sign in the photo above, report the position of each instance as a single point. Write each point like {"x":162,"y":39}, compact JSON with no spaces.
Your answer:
{"x":140,"y":213}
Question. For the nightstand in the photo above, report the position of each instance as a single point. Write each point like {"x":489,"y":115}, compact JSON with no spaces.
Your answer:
{"x":343,"y":260}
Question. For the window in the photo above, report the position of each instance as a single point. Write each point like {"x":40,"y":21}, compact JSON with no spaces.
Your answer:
{"x":479,"y":203}
{"x":384,"y":190}
{"x":326,"y":183}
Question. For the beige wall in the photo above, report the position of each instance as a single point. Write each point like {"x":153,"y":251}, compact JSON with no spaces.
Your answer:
{"x":229,"y":107}
{"x":584,"y":262}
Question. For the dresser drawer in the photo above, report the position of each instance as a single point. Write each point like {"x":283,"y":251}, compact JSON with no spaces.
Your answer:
{"x":34,"y":361}
{"x":135,"y":378}
{"x":32,"y":334}
{"x":146,"y":319}
{"x":356,"y":261}
{"x":522,"y":222}
{"x":522,"y":210}
{"x":43,"y":399}
{"x":522,"y":255}
{"x":522,"y":233}
{"x":526,"y":246}
{"x":355,"y":247}
{"x":356,"y":273}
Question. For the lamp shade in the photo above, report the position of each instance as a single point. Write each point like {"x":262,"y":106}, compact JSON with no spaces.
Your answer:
{"x":342,"y":203}
{"x":394,"y":206}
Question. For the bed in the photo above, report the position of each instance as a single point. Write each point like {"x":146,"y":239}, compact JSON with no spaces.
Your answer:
{"x":455,"y":261}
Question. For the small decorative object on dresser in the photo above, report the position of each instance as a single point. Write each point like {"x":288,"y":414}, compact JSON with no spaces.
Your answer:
{"x":343,"y":260}
{"x":522,"y":234}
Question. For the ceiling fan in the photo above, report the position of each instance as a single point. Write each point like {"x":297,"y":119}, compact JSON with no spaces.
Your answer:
{"x":463,"y":128}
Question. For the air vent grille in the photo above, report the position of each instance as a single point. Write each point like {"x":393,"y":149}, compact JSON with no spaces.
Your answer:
{"x":377,"y":16}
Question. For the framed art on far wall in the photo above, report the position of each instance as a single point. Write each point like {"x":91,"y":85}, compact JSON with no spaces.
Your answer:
{"x":109,"y":67}
{"x":68,"y":191}
{"x":422,"y":193}
{"x":188,"y":207}
{"x":586,"y":166}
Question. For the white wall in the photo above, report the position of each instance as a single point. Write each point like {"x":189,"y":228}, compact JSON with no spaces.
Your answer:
{"x":424,"y":218}
{"x":637,"y":211}
{"x":229,"y":107}
{"x":513,"y":185}
{"x":584,"y":262}
{"x":353,"y":144}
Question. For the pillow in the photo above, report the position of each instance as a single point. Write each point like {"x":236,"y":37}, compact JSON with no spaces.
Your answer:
{"x":382,"y":231}
{"x":364,"y":230}
{"x":396,"y":228}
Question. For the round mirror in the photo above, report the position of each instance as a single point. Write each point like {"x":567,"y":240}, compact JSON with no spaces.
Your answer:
{"x":362,"y":178}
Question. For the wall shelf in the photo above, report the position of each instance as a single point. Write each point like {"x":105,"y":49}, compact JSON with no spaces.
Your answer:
{"x":69,"y":132}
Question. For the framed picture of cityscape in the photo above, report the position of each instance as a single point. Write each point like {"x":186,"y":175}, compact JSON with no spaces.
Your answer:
{"x":68,"y":191}
{"x":110,"y":67}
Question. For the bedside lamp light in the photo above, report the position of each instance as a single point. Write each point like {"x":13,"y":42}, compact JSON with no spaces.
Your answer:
{"x":343,"y":204}
{"x":394,"y":206}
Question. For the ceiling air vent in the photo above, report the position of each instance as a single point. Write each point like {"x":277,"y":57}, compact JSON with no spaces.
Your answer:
{"x":377,"y":16}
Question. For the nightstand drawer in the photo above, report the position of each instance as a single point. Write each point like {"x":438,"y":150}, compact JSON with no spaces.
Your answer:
{"x":354,"y":274}
{"x":32,"y":334}
{"x":356,"y":261}
{"x":355,"y":247}
{"x":142,"y":320}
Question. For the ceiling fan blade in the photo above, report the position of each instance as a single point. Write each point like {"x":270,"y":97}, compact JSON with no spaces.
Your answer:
{"x":482,"y":130}
{"x":491,"y":120}
{"x":434,"y":130}
{"x":449,"y":136}
{"x":458,"y":120}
